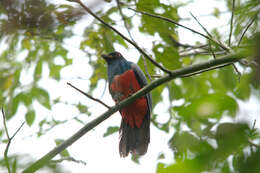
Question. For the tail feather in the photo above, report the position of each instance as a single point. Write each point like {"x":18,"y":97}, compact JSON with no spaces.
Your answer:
{"x":134,"y":140}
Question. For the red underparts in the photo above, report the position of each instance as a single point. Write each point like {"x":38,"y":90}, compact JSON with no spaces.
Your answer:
{"x":123,"y":86}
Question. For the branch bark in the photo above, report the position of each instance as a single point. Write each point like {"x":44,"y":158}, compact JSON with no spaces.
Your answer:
{"x":197,"y":68}
{"x":89,"y":96}
{"x":121,"y":35}
{"x":178,"y":24}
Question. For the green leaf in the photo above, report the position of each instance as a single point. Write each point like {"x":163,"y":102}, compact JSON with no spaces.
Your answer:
{"x":42,"y":96}
{"x":14,"y":105}
{"x":82,"y":108}
{"x":111,"y":130}
{"x":65,"y":152}
{"x":180,"y":167}
{"x":108,"y":43}
{"x":38,"y":71}
{"x":209,"y":106}
{"x":228,"y":77}
{"x":30,"y":117}
{"x":135,"y":158}
{"x":156,"y":95}
{"x":14,"y":166}
{"x":175,"y":92}
{"x":26,"y":43}
{"x":230,"y":137}
{"x":161,"y":156}
{"x":55,"y":71}
{"x":216,"y":12}
{"x":168,"y":56}
{"x":238,"y":159}
{"x":195,"y":86}
{"x":1,"y":133}
{"x":181,"y":142}
{"x":225,"y":168}
{"x":243,"y":90}
{"x":98,"y":73}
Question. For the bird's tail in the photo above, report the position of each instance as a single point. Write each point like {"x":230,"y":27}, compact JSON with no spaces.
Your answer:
{"x":134,"y":140}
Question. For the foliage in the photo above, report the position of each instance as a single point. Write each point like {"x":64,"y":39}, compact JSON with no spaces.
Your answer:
{"x":34,"y":32}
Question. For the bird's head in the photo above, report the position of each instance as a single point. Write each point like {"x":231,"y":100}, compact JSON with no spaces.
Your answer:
{"x":113,"y":56}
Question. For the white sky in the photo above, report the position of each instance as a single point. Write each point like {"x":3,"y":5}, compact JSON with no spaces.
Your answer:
{"x":101,"y":154}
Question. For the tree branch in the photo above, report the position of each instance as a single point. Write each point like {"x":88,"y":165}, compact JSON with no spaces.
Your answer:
{"x":231,"y":58}
{"x":71,"y":159}
{"x":231,"y":23}
{"x":176,"y":23}
{"x":201,"y":25}
{"x":121,"y":35}
{"x":9,"y":140}
{"x":130,"y":35}
{"x":235,"y":68}
{"x":124,"y":19}
{"x":89,"y":96}
{"x":244,"y":32}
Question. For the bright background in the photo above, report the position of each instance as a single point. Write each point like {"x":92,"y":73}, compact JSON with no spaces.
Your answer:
{"x":99,"y":153}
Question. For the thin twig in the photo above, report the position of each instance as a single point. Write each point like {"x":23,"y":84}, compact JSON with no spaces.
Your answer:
{"x":176,"y":23}
{"x":130,"y":35}
{"x":5,"y":126}
{"x":185,"y":46}
{"x":205,"y":29}
{"x":68,"y":159}
{"x":9,"y":140}
{"x":8,"y":143}
{"x":121,"y":35}
{"x":89,"y":96}
{"x":195,"y":53}
{"x":146,"y":68}
{"x":244,"y":32}
{"x":231,"y":58}
{"x":237,"y":71}
{"x":201,"y":25}
{"x":17,"y":130}
{"x":253,"y":127}
{"x":191,"y":47}
{"x":231,"y":23}
{"x":252,"y":143}
{"x":124,"y":19}
{"x":212,"y":52}
{"x":210,"y":48}
{"x":199,"y":72}
{"x":234,"y":66}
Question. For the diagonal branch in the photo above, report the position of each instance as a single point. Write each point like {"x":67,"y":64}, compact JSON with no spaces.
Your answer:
{"x":231,"y":58}
{"x":231,"y":23}
{"x":124,"y":19}
{"x":130,"y":35}
{"x":201,"y":25}
{"x":178,"y":24}
{"x":121,"y":35}
{"x":234,"y":66}
{"x":89,"y":96}
{"x":247,"y":27}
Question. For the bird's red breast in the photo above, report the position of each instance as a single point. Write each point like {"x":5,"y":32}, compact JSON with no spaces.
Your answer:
{"x":123,"y":86}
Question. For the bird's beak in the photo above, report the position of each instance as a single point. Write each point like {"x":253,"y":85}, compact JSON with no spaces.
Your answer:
{"x":106,"y":57}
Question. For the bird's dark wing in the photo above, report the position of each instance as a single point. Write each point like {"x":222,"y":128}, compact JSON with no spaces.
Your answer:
{"x":142,"y":81}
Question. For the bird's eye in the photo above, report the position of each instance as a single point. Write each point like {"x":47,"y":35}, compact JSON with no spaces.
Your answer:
{"x":118,"y":54}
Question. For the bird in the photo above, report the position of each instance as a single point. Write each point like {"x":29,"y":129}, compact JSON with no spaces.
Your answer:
{"x":124,"y":79}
